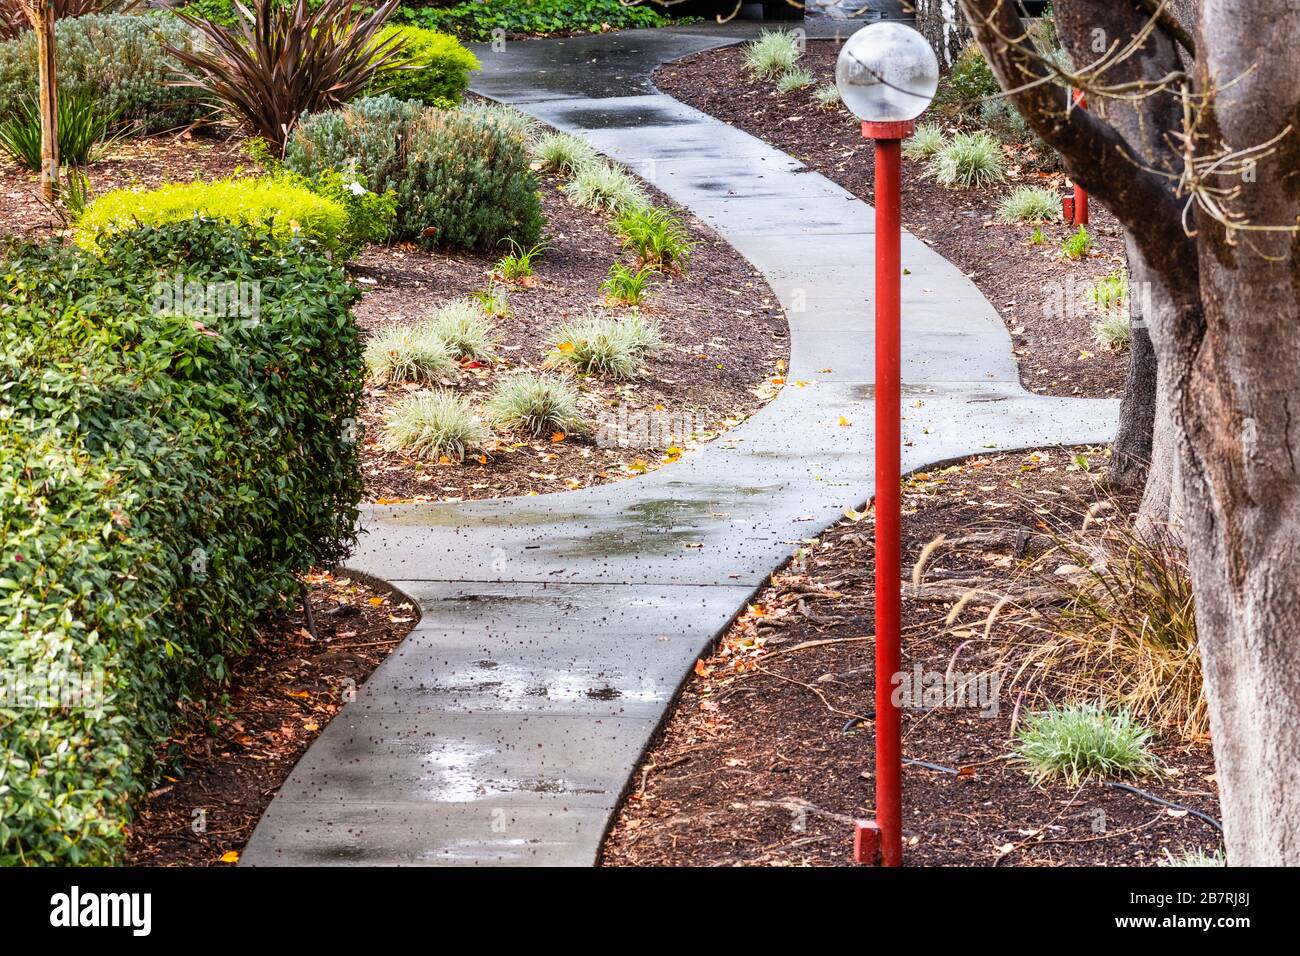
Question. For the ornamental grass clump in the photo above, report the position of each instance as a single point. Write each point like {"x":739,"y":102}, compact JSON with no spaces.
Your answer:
{"x":1030,"y":204}
{"x":1081,"y":742}
{"x":968,"y":161}
{"x":434,"y":425}
{"x":795,"y":78}
{"x":464,"y":327}
{"x":924,"y":142}
{"x":408,"y":353}
{"x":773,"y":53}
{"x":561,"y":152}
{"x":595,"y":345}
{"x":655,"y":236}
{"x":536,"y":404}
{"x":602,"y":186}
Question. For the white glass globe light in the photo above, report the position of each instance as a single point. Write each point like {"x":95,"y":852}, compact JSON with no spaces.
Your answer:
{"x":887,"y":73}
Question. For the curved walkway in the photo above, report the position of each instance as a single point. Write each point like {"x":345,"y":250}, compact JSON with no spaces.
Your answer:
{"x":557,"y":629}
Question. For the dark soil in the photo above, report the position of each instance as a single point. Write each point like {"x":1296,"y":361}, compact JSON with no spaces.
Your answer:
{"x":234,"y":750}
{"x":764,"y":762}
{"x":1055,"y":347}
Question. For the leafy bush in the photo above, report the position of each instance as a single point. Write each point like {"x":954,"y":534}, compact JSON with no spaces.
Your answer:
{"x":795,"y":78}
{"x":562,"y":152}
{"x":968,"y":160}
{"x":1077,"y":245}
{"x":600,"y":346}
{"x":281,"y":61}
{"x":622,"y":286}
{"x":773,"y":53}
{"x":924,"y":142}
{"x":437,"y":67}
{"x":408,"y":353}
{"x":1031,"y":204}
{"x":538,"y":405}
{"x":969,"y":81}
{"x":1079,"y":742}
{"x":116,"y":59}
{"x":81,"y":122}
{"x":460,"y":179}
{"x":437,"y":424}
{"x":274,"y":205}
{"x":164,"y":484}
{"x":477,"y":19}
{"x":603,"y":186}
{"x":655,"y":236}
{"x":464,"y":327}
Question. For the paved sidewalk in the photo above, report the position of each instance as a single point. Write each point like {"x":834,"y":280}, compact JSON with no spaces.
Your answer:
{"x":557,"y":629}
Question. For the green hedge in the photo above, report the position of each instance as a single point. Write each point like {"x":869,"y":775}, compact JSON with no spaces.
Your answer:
{"x":118,"y":59}
{"x":477,"y":19}
{"x":461,"y":178}
{"x":441,"y":64}
{"x":163,"y":479}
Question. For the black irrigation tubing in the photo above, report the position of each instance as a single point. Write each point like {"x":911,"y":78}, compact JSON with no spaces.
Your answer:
{"x":1128,"y":788}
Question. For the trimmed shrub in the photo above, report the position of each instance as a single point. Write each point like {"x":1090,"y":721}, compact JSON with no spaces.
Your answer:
{"x":460,"y":179}
{"x":441,"y":67}
{"x":164,"y":482}
{"x":118,"y":60}
{"x":437,"y":424}
{"x":277,"y":206}
{"x":538,"y":405}
{"x":408,"y":353}
{"x":967,"y":161}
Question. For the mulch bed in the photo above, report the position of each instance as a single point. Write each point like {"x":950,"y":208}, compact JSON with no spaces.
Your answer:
{"x":726,"y":334}
{"x":764,"y":762}
{"x":726,"y":340}
{"x":233,"y":751}
{"x":1055,"y":347}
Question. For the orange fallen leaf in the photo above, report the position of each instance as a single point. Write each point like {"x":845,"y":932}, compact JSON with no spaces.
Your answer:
{"x":230,"y":856}
{"x":558,"y":437}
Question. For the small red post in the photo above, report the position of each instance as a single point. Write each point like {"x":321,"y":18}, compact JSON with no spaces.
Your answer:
{"x":1079,"y":211}
{"x":889,"y":758}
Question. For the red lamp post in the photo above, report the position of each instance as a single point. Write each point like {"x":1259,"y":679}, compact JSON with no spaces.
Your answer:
{"x":887,"y":74}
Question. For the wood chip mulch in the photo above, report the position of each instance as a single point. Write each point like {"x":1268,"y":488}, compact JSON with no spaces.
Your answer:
{"x":766,"y":759}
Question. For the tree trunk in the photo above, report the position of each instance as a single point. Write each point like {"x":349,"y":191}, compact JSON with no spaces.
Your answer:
{"x":943,"y":24}
{"x":1225,"y":328}
{"x":41,"y":13}
{"x":1130,"y":455}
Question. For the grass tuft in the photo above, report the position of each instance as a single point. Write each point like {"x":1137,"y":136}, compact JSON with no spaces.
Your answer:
{"x":828,"y":96}
{"x":1194,"y":857}
{"x":1031,"y":204}
{"x":795,"y":78}
{"x":464,"y":327}
{"x":434,"y":425}
{"x":603,"y":186}
{"x":968,"y":161}
{"x":1079,"y":742}
{"x":562,"y":152}
{"x":773,"y":53}
{"x":539,"y":405}
{"x":655,"y":236}
{"x":925,"y":141}
{"x":602,"y":346}
{"x":1078,"y":245}
{"x":408,"y":353}
{"x":623,"y":286}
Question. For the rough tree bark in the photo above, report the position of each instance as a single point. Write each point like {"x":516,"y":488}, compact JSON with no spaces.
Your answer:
{"x":41,"y":14}
{"x":942,"y":23}
{"x":1225,"y":328}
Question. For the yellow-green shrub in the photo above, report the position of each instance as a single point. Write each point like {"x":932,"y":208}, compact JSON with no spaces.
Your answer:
{"x":282,"y":208}
{"x":441,"y":67}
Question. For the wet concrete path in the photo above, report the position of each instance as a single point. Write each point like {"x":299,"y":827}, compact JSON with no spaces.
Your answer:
{"x":557,"y":629}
